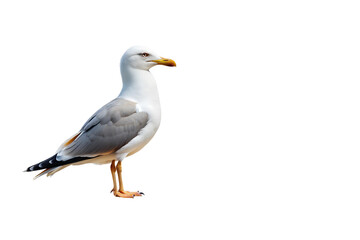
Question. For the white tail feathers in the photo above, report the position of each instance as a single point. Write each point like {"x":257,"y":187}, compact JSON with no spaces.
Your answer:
{"x":50,"y":171}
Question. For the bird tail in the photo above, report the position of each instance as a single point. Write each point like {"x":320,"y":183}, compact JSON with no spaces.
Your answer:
{"x":52,"y":165}
{"x":50,"y":171}
{"x":48,"y":163}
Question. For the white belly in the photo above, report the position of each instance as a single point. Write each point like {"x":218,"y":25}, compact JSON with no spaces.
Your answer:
{"x":137,"y":143}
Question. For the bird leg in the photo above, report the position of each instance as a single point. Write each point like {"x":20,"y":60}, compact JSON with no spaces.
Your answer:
{"x":113,"y":170}
{"x":121,"y":186}
{"x":115,"y":190}
{"x":120,"y":192}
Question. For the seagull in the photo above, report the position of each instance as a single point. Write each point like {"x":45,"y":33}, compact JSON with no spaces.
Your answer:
{"x":120,"y":128}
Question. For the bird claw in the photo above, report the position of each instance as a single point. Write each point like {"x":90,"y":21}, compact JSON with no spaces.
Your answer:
{"x":126,"y":194}
{"x":123,"y":195}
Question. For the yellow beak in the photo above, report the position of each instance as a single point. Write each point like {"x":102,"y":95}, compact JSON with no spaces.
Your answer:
{"x":165,"y":61}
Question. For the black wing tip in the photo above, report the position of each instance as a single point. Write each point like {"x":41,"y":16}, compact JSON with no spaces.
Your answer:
{"x":32,"y":168}
{"x":51,"y":162}
{"x":41,"y":165}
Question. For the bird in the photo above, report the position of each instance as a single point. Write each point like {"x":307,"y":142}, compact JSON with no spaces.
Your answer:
{"x":120,"y":128}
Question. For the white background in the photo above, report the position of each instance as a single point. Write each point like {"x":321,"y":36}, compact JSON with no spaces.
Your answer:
{"x":260,"y":128}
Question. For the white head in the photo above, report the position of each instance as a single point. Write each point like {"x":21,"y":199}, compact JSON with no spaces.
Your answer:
{"x":139,"y":57}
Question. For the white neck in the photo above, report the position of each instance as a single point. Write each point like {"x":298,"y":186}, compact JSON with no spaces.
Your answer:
{"x":139,"y":86}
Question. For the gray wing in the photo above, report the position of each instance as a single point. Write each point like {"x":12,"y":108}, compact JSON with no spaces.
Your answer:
{"x":109,"y":129}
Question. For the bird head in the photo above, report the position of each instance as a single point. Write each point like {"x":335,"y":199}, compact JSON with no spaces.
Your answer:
{"x":143,"y":58}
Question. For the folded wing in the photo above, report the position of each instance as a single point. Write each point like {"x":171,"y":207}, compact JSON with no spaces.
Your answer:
{"x":109,"y":129}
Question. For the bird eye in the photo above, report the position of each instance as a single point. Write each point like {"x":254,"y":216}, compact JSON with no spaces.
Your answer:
{"x":144,"y":54}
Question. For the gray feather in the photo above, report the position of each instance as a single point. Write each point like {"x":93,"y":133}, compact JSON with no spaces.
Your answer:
{"x":109,"y":129}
